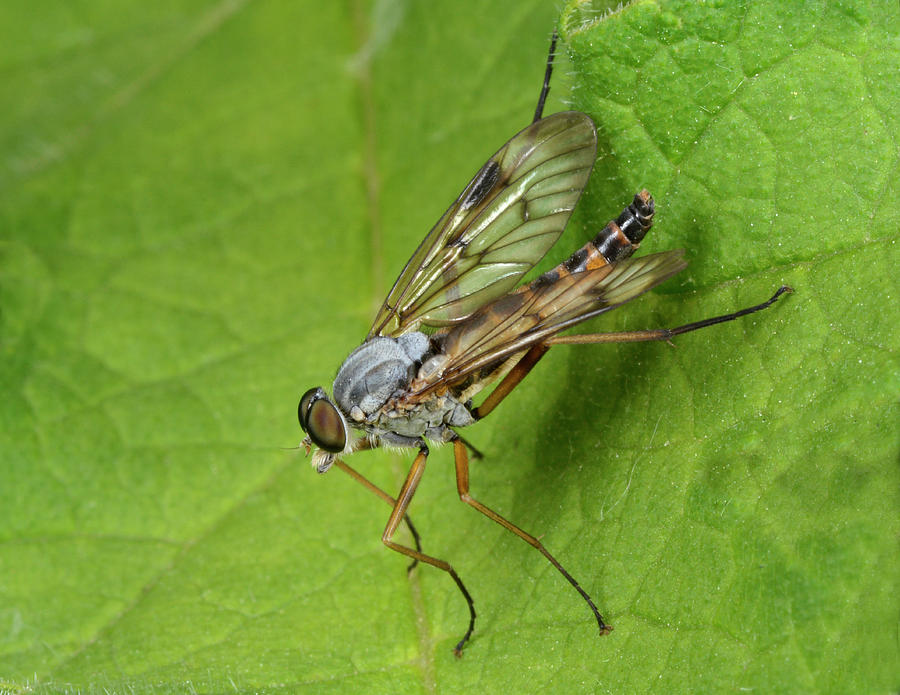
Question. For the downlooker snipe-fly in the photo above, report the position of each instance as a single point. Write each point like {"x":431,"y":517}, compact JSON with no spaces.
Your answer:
{"x":458,"y":320}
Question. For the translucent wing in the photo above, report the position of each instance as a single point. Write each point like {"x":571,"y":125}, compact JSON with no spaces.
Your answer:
{"x":503,"y":222}
{"x":538,"y":311}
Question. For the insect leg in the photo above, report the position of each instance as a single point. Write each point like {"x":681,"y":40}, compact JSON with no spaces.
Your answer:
{"x":475,"y":452}
{"x":403,"y":500}
{"x":511,"y":380}
{"x":661,"y":333}
{"x":545,"y":90}
{"x":372,"y":487}
{"x":462,"y":486}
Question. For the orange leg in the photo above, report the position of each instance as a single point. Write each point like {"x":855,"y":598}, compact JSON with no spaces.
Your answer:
{"x":403,"y":500}
{"x":372,"y":487}
{"x":511,"y":380}
{"x":462,"y":486}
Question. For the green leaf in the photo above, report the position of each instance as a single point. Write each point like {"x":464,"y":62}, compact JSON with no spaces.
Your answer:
{"x":200,"y":210}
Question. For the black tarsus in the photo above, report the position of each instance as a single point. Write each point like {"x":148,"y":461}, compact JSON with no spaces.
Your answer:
{"x":545,"y":90}
{"x":687,"y":328}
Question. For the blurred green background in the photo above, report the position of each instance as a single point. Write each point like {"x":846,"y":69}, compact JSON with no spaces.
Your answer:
{"x":201,"y":206}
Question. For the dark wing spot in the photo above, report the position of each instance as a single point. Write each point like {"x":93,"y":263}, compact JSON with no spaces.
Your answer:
{"x":481,"y":185}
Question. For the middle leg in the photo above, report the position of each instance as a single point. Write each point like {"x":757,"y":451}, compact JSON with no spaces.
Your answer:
{"x":462,"y":484}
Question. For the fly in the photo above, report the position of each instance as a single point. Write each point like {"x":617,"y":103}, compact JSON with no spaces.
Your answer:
{"x":458,"y":318}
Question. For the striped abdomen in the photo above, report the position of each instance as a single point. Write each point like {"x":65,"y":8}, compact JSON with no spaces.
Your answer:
{"x":617,"y":240}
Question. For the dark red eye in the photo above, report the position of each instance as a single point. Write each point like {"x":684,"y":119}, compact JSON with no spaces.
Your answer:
{"x":321,"y":420}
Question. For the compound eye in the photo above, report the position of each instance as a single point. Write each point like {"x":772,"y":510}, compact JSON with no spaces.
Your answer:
{"x":321,"y":420}
{"x":305,"y":401}
{"x":326,"y":426}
